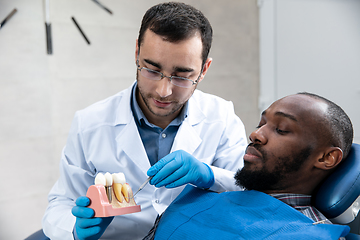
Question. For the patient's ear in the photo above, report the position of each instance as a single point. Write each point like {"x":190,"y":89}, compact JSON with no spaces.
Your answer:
{"x":331,"y":158}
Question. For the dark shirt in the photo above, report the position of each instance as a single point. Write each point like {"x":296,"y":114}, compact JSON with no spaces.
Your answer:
{"x":302,"y":203}
{"x":157,"y":141}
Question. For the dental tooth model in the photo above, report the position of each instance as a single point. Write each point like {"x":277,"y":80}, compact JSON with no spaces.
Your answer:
{"x":122,"y":191}
{"x":111,"y":196}
{"x":118,"y":192}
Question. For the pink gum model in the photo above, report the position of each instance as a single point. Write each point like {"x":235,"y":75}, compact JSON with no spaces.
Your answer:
{"x":100,"y":203}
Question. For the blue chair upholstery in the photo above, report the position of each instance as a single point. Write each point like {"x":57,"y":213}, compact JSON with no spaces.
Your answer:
{"x":338,"y":197}
{"x":352,"y":236}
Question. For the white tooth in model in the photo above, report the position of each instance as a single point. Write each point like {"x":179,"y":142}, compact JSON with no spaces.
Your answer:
{"x":128,"y":194}
{"x":119,"y":180}
{"x":109,"y":179}
{"x":119,"y":177}
{"x":100,"y":179}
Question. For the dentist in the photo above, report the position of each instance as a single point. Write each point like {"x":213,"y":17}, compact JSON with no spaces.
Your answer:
{"x":161,"y":126}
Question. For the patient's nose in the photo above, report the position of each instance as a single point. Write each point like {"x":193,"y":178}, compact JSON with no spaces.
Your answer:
{"x":258,"y":136}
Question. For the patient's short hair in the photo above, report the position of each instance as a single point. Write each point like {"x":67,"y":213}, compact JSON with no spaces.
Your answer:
{"x":338,"y":122}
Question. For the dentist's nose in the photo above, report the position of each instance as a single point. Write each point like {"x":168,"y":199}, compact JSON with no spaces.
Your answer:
{"x":164,"y":87}
{"x":258,"y":136}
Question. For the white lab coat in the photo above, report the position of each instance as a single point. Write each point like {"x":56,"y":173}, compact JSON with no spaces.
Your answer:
{"x":104,"y":138}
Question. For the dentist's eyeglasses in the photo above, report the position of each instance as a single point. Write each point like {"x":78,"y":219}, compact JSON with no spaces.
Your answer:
{"x":156,"y":76}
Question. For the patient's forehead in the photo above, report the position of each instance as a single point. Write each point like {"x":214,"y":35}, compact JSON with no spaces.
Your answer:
{"x":308,"y":113}
{"x":302,"y":106}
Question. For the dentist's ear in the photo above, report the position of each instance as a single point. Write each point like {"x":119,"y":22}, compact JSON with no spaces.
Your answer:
{"x":205,"y":68}
{"x":136,"y":51}
{"x":331,"y":158}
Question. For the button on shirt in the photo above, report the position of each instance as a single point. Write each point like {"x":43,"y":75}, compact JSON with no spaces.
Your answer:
{"x":157,"y":141}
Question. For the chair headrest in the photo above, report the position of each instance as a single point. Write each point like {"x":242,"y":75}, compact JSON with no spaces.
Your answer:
{"x":340,"y":191}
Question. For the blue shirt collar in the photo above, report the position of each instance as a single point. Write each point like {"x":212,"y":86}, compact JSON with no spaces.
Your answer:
{"x":140,"y":117}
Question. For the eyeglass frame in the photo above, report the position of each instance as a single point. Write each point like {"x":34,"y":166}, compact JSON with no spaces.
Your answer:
{"x":169,"y":77}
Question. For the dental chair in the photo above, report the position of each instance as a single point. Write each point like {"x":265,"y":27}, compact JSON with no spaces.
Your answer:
{"x":338,"y":198}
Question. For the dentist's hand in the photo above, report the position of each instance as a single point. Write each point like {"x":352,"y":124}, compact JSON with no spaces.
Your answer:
{"x":179,"y":168}
{"x":87,"y":227}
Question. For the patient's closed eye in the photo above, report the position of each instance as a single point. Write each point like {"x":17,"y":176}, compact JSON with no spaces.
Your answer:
{"x":280,"y":131}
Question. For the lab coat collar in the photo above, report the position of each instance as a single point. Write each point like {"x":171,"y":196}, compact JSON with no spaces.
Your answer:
{"x":123,"y":111}
{"x":129,"y":139}
{"x":187,"y":138}
{"x":195,"y":112}
{"x":131,"y":144}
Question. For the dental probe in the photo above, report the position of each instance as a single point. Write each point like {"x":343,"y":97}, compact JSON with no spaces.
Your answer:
{"x":143,"y":185}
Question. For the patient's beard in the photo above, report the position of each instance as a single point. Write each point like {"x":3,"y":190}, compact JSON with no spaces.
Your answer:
{"x":263,"y":179}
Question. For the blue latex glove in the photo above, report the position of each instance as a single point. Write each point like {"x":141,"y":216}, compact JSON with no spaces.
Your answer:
{"x":88,"y":227}
{"x":179,"y":168}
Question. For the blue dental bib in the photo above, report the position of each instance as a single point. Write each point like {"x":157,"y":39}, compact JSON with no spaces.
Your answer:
{"x":199,"y":214}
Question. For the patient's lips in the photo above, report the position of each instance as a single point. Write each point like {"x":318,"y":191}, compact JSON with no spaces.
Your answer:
{"x":252,"y":154}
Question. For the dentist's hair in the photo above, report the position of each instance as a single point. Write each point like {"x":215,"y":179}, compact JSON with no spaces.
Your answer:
{"x":176,"y":22}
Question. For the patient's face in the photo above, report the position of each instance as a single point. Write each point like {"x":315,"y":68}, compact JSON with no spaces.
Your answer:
{"x":264,"y":179}
{"x":279,"y":155}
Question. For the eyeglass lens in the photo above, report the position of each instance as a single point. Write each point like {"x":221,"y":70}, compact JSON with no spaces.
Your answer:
{"x":155,"y":75}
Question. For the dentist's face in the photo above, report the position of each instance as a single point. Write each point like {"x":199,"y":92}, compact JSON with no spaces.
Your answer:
{"x":282,"y":148}
{"x":161,"y":101}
